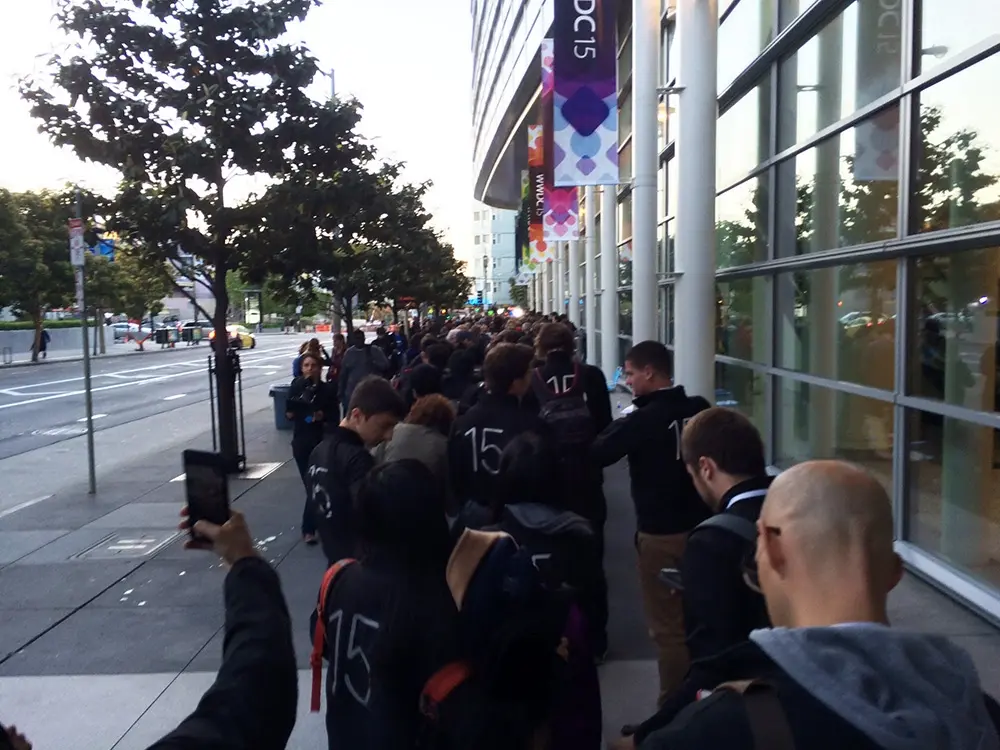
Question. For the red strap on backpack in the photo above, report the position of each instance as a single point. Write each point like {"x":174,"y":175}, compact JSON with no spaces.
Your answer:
{"x":319,"y":634}
{"x":440,"y":685}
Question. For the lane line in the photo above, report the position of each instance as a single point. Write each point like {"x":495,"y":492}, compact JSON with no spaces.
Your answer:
{"x":93,"y":416}
{"x":99,"y":389}
{"x":22,"y":506}
{"x":175,"y":397}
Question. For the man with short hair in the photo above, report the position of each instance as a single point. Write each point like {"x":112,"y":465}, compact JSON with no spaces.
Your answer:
{"x":360,"y":361}
{"x":342,"y":461}
{"x":724,"y":455}
{"x":832,"y":674}
{"x":479,"y":436}
{"x":667,"y":506}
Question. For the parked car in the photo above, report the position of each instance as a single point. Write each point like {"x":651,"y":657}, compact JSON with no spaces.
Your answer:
{"x":239,"y":337}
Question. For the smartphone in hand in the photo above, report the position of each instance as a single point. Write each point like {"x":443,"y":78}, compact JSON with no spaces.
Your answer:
{"x":207,"y":485}
{"x":671,"y":578}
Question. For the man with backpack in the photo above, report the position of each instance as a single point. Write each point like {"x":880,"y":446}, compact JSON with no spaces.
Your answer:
{"x":360,"y":361}
{"x":667,"y":506}
{"x":724,"y":454}
{"x":573,"y":400}
{"x":832,"y":673}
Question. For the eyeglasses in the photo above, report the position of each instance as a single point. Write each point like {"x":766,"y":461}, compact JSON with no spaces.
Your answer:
{"x":751,"y":576}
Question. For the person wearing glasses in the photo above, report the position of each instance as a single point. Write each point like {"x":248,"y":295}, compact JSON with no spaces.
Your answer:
{"x":724,"y":455}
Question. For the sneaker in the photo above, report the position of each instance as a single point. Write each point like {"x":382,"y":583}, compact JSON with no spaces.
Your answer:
{"x":310,"y":539}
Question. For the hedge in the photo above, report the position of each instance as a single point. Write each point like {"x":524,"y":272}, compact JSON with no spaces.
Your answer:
{"x":27,"y":325}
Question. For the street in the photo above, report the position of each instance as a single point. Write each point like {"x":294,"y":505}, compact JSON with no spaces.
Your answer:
{"x":43,"y":405}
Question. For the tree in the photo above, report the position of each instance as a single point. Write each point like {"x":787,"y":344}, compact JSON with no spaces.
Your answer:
{"x":34,"y":259}
{"x":181,"y":96}
{"x":144,"y":283}
{"x":518,"y":293}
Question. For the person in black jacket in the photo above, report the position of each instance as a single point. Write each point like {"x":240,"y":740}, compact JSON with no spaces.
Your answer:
{"x":836,"y":675}
{"x":343,"y":460}
{"x":667,"y":506}
{"x":390,"y":619}
{"x":479,"y":436}
{"x":724,"y":454}
{"x":310,"y":403}
{"x":555,"y":347}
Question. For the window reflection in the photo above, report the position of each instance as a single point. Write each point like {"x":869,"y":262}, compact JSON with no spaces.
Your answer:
{"x":625,"y":163}
{"x":850,"y":63}
{"x":953,"y":507}
{"x":744,"y":33}
{"x":672,"y":188}
{"x":741,"y":223}
{"x":625,"y":217}
{"x":625,"y":313}
{"x":744,"y":132}
{"x":845,"y":190}
{"x":953,"y":342}
{"x":742,"y":389}
{"x":947,"y":27}
{"x":741,"y":318}
{"x":813,"y":422}
{"x":666,"y":314}
{"x":840,"y":322}
{"x":625,"y":119}
{"x":625,"y":264}
{"x":958,"y":173}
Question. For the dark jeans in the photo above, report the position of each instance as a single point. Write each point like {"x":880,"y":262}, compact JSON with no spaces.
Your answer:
{"x":597,"y":608}
{"x":302,"y":449}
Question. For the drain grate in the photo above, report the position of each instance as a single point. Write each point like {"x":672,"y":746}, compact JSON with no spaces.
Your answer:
{"x":128,"y":544}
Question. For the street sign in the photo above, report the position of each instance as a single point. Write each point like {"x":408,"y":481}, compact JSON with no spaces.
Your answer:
{"x":79,"y":289}
{"x":76,"y":246}
{"x":298,"y":309}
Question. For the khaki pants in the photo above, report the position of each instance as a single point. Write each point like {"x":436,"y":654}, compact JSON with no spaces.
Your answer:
{"x":664,"y":614}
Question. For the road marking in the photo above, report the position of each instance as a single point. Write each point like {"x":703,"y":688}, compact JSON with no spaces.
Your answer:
{"x":175,"y":397}
{"x":22,"y":506}
{"x":99,"y":389}
{"x":93,"y":416}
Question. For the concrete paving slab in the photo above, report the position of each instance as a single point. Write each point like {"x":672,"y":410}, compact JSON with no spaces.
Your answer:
{"x":177,"y":702}
{"x":64,"y":548}
{"x":196,"y":582}
{"x":19,"y":626}
{"x":100,"y":640}
{"x":41,"y":586}
{"x":90,"y":712}
{"x":916,"y":605}
{"x":628,"y":693}
{"x":139,"y":515}
{"x":63,"y":512}
{"x":17,"y":544}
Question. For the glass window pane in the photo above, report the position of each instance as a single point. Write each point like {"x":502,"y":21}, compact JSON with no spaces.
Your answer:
{"x":954,"y":338}
{"x":666,"y":310}
{"x":597,"y":320}
{"x":741,"y":318}
{"x":625,"y":313}
{"x":742,"y":389}
{"x":850,"y":63}
{"x":661,"y":191}
{"x":744,"y":133}
{"x":947,"y":27}
{"x":625,"y":264}
{"x":625,"y":59}
{"x":625,"y":119}
{"x":844,"y":191}
{"x":625,"y":217}
{"x":624,"y":344}
{"x":741,"y":223}
{"x":953,"y":508}
{"x":790,"y":10}
{"x":812,"y":422}
{"x":957,"y":166}
{"x":625,"y":163}
{"x":840,"y":322}
{"x":744,"y":33}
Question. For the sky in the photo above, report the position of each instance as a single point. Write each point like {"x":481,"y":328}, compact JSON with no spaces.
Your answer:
{"x":407,"y":62}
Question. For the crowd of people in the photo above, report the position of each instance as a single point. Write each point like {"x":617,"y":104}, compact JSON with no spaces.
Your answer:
{"x":454,"y":480}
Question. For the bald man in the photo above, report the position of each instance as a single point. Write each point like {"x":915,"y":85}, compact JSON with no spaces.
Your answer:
{"x":842,"y":676}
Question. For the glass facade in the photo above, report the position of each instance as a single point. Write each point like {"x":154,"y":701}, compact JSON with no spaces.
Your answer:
{"x":858,"y":253}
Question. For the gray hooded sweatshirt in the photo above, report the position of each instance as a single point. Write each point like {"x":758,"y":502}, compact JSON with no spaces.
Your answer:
{"x":906,"y":691}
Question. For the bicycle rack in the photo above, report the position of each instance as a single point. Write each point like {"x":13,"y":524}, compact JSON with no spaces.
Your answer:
{"x":239,"y":426}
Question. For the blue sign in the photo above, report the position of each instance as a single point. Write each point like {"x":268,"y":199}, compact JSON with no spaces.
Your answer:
{"x":105,"y":249}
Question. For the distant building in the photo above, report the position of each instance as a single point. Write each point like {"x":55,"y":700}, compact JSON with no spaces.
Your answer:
{"x":494,"y":252}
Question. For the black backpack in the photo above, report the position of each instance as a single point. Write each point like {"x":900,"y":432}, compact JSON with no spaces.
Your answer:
{"x":566,"y":413}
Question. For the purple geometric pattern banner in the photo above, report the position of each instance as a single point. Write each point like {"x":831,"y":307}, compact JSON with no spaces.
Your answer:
{"x":561,"y":218}
{"x":585,"y":99}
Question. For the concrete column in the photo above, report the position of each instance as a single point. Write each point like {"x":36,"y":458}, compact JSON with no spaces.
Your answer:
{"x":645,"y":79}
{"x":531,"y":294}
{"x":694,"y":334}
{"x":590,"y":285}
{"x":547,"y":287}
{"x":573,"y":264}
{"x":559,"y":268}
{"x":609,"y":282}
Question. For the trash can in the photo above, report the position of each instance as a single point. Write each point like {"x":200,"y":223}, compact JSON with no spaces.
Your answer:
{"x":279,"y":392}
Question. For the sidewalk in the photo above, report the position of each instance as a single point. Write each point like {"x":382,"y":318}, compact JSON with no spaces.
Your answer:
{"x":110,"y":632}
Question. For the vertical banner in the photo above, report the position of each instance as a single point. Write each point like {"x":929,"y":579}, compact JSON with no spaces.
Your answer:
{"x":562,"y":204}
{"x":880,"y":38}
{"x":585,"y":97}
{"x":536,"y":188}
{"x":523,"y":224}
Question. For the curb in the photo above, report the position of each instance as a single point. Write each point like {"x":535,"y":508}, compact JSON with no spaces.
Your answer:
{"x":93,"y":358}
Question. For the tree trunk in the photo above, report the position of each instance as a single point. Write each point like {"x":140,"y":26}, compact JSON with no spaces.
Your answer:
{"x":99,"y":327}
{"x":395,"y":314}
{"x":225,"y":376}
{"x":36,"y":318}
{"x":348,"y":317}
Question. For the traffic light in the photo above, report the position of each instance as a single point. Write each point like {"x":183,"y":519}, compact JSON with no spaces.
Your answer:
{"x":479,"y":298}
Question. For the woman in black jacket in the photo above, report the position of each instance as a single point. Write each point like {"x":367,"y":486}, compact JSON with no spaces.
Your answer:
{"x":310,"y":403}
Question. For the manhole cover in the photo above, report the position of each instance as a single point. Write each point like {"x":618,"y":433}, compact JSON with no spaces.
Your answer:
{"x":123,"y":544}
